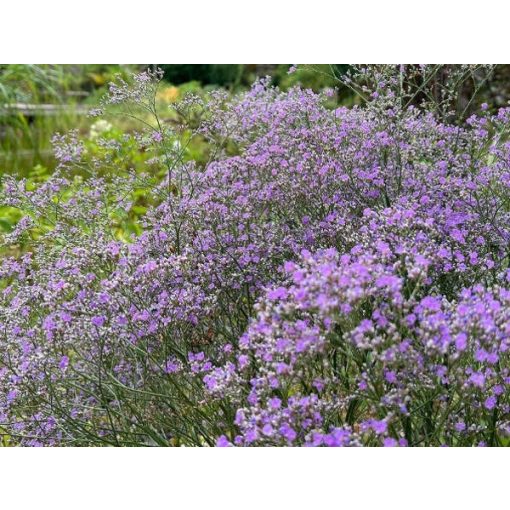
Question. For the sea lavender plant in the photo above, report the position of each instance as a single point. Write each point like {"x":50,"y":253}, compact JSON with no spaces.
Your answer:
{"x":331,"y":277}
{"x":347,"y":347}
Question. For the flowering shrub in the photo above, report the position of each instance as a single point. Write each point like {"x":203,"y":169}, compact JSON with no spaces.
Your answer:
{"x":345,"y":354}
{"x":330,"y":277}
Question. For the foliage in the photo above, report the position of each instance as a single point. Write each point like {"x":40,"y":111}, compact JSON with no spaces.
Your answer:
{"x":312,"y":76}
{"x":25,"y":136}
{"x":226,"y":75}
{"x":234,"y":76}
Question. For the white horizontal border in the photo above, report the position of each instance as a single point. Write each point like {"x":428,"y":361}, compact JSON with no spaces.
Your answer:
{"x":244,"y":479}
{"x":233,"y":31}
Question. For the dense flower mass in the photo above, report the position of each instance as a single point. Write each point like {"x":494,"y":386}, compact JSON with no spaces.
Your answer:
{"x":344,"y":342}
{"x":331,"y":277}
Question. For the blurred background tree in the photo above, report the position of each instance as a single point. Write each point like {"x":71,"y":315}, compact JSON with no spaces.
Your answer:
{"x":68,"y":91}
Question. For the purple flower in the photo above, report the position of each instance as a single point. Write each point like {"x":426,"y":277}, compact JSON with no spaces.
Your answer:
{"x":278,"y":293}
{"x":477,"y":379}
{"x":490,"y":403}
{"x":461,"y":341}
{"x":379,"y":426}
{"x":275,"y":403}
{"x":390,"y":376}
{"x":288,"y":433}
{"x":98,"y":320}
{"x":66,"y":317}
{"x":460,"y":426}
{"x":223,"y":442}
{"x":267,"y":430}
{"x":64,"y":362}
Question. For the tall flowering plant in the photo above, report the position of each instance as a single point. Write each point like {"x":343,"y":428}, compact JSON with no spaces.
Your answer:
{"x":329,"y":277}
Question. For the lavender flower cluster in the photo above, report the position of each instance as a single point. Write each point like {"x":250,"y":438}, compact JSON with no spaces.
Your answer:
{"x":332,"y":277}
